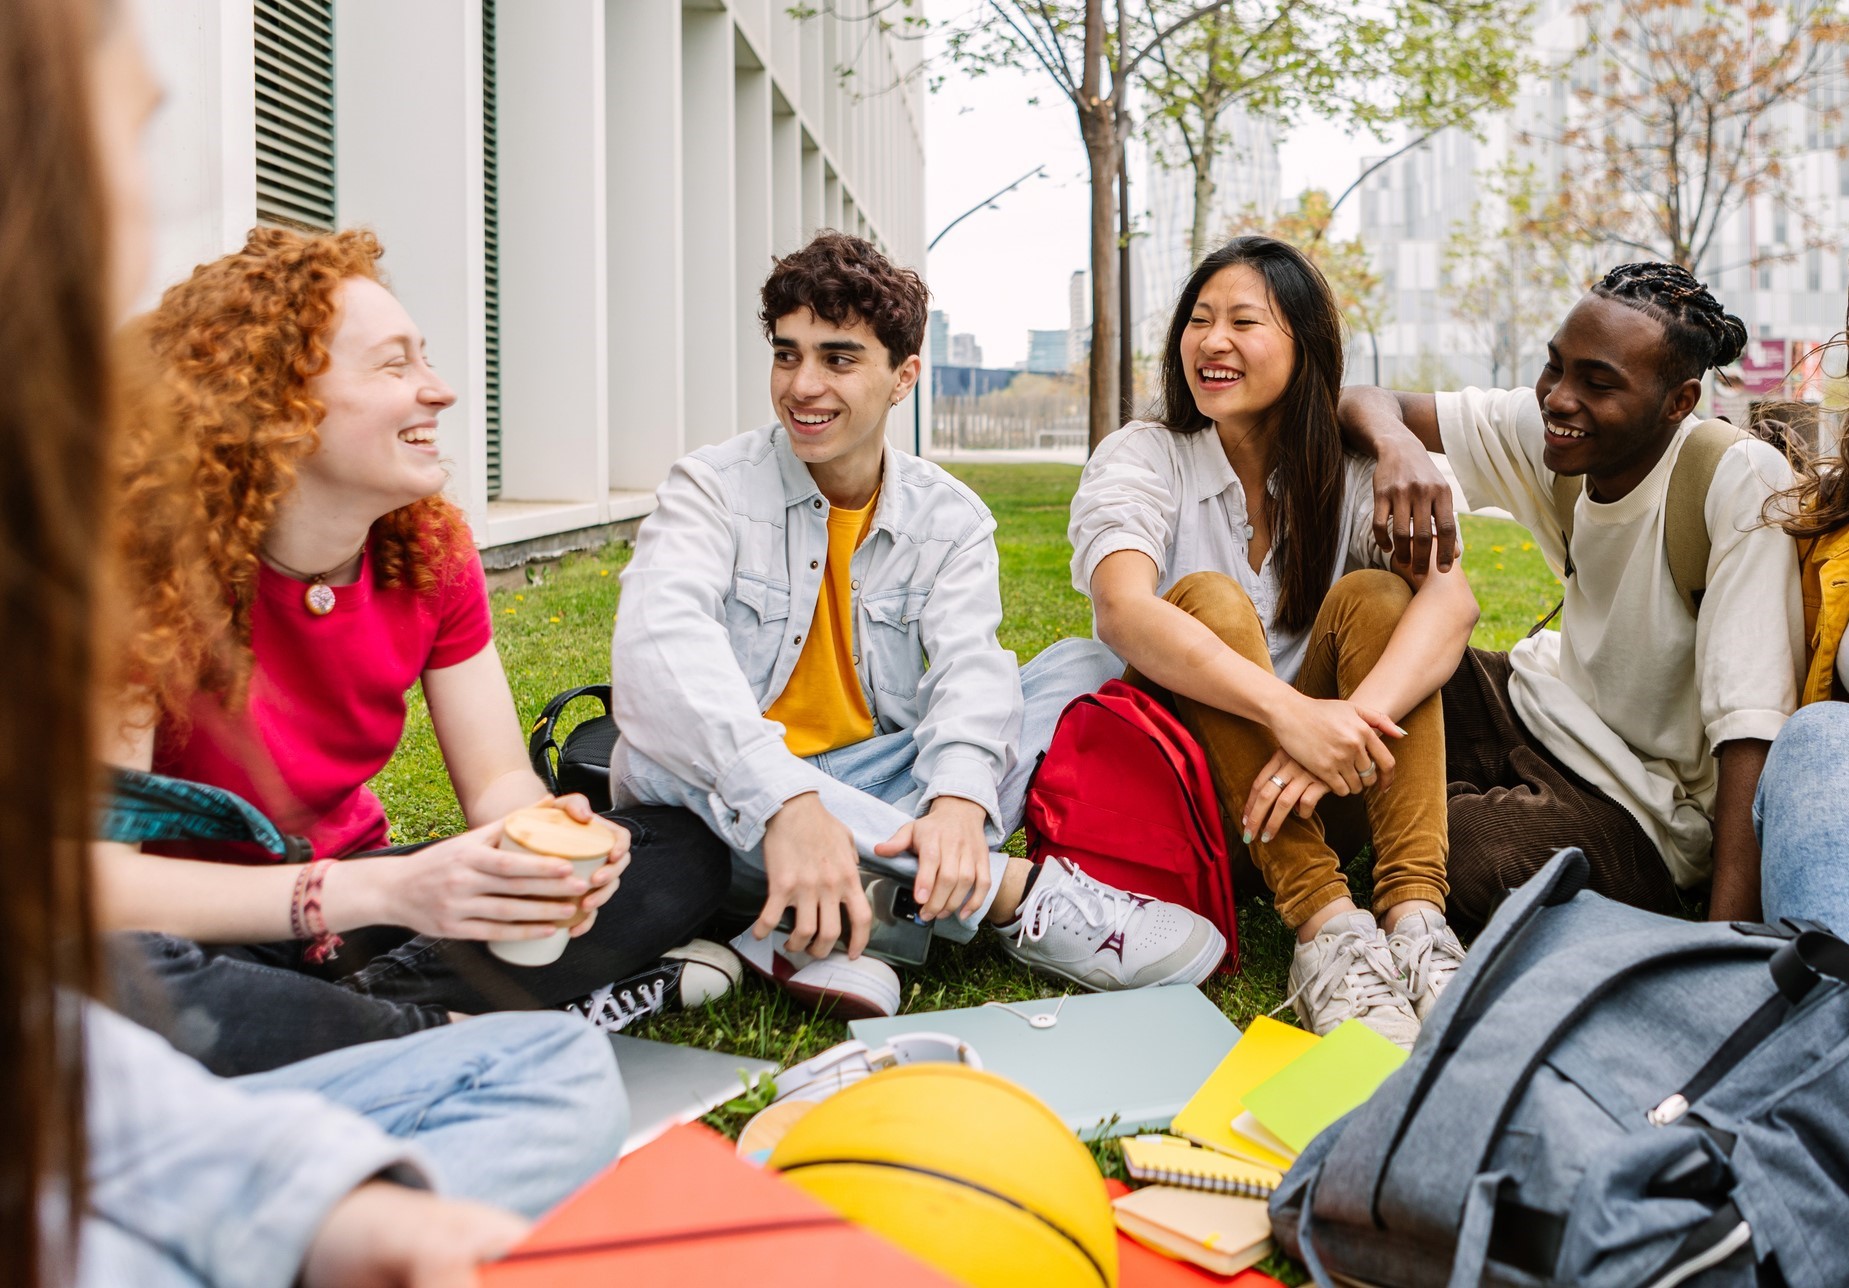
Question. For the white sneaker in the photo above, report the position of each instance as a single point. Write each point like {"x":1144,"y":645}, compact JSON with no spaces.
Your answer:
{"x":1427,"y":954}
{"x":1101,"y":937}
{"x":1347,"y":973}
{"x":708,"y":971}
{"x":852,"y":989}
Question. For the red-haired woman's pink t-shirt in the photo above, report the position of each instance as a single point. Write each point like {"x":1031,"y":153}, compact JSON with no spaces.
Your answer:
{"x":327,"y":704}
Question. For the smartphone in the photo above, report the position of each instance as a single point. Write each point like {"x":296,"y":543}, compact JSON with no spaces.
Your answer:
{"x":899,"y":934}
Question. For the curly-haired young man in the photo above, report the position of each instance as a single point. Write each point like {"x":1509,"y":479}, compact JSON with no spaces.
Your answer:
{"x":806,"y":656}
{"x":1637,"y":731}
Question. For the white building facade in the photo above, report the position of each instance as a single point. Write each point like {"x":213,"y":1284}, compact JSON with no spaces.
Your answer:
{"x":578,"y":201}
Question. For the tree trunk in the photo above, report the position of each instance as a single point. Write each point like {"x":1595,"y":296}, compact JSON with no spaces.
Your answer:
{"x":1102,"y":150}
{"x":1203,"y":207}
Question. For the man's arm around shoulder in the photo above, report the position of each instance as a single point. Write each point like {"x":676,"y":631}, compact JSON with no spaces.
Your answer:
{"x":1412,"y":498}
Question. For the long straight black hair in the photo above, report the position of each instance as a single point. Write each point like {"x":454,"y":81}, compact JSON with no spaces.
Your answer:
{"x":1306,"y":446}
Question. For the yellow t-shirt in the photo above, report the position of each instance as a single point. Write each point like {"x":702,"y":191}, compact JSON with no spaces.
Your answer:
{"x":822,"y":706}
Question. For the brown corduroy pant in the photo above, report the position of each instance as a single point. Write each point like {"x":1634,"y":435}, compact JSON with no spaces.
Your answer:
{"x":1406,"y":822}
{"x":1512,"y":805}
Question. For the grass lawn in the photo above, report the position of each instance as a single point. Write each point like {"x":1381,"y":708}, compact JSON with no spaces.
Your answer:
{"x":557,"y":634}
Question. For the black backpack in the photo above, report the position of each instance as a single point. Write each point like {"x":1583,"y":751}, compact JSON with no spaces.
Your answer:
{"x":582,"y":764}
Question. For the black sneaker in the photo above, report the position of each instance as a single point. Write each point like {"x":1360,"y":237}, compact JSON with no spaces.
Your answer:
{"x":691,"y":975}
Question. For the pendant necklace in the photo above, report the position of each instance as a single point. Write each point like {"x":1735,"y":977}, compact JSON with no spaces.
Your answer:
{"x":319,"y":597}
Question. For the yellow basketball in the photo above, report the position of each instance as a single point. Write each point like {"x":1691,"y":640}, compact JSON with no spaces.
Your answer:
{"x":964,"y":1170}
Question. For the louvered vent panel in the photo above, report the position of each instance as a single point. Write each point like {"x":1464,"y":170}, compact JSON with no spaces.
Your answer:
{"x":295,"y":113}
{"x":491,"y":244}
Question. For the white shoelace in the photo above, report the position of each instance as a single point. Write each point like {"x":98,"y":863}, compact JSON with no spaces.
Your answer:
{"x":1096,"y":904}
{"x":614,"y":1011}
{"x":1431,"y":961}
{"x":1363,"y":963}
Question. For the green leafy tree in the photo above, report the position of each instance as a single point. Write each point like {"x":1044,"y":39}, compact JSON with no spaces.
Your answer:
{"x":1092,"y":51}
{"x":1426,"y":66}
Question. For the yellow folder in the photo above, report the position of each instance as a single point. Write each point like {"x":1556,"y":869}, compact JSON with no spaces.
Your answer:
{"x":1264,"y":1049}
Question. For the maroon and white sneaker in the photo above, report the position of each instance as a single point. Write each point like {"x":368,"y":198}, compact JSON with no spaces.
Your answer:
{"x":859,"y":989}
{"x":1100,"y":937}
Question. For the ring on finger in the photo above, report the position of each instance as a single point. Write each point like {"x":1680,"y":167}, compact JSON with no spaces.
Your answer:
{"x":1371,"y":770}
{"x":1278,"y":782}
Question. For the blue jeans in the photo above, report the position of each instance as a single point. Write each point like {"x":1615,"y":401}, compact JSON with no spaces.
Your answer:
{"x":869,"y":785}
{"x":514,"y":1110}
{"x":1801,"y":815}
{"x":517,"y":1109}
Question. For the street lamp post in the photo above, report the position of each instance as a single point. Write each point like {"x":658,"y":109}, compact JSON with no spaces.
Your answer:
{"x":987,"y":203}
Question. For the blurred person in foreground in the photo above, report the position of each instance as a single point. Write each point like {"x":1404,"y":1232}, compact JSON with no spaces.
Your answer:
{"x":124,"y":1162}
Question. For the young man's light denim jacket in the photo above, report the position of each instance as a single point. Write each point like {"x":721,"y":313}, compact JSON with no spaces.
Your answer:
{"x":720,"y":594}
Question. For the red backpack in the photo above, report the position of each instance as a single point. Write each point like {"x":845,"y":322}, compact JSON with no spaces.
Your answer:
{"x":1125,"y":793}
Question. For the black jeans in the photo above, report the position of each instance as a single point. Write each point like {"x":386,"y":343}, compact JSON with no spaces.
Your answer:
{"x":247,"y":1008}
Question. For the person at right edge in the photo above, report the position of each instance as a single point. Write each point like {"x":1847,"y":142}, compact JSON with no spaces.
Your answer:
{"x":1637,"y":732}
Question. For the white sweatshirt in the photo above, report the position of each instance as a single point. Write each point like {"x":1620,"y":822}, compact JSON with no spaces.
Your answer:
{"x":1632,"y":693}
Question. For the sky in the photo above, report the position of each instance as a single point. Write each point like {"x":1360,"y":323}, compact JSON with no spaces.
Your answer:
{"x":1005,"y":270}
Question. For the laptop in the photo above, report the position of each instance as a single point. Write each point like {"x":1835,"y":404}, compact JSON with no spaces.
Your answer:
{"x":1109,"y":1064}
{"x":669,"y":1084}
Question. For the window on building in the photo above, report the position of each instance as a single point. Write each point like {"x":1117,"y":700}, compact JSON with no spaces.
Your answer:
{"x":1813,"y":270}
{"x":491,"y":252}
{"x":295,"y":113}
{"x":1765,"y":268}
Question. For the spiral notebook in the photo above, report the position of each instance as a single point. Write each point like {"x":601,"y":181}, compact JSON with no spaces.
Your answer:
{"x":1169,"y":1160}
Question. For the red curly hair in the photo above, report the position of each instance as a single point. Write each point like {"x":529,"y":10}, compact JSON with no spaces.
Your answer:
{"x":218,"y":422}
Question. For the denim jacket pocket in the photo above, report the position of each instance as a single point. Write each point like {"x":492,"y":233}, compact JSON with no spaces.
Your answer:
{"x":894,"y":645}
{"x":757,"y":617}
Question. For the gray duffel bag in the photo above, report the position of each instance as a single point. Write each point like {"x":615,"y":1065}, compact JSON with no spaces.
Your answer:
{"x":1603,"y":1097}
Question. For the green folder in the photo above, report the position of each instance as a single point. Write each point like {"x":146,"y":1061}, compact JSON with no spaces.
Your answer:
{"x":1323,"y":1083}
{"x":1113,"y":1064}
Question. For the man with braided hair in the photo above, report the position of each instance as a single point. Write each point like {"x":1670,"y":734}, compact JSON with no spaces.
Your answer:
{"x":1638,"y":731}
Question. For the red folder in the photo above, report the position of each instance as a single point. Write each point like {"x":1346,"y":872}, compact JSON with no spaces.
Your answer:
{"x":1142,"y":1267}
{"x":685,"y":1210}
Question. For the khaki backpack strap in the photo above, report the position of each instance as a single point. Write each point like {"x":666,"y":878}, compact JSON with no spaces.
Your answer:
{"x":1685,"y":536}
{"x":1567,"y":488}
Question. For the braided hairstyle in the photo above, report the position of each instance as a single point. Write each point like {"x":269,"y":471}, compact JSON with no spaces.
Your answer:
{"x":1700,"y":333}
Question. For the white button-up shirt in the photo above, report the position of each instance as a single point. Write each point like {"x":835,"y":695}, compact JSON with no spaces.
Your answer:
{"x":1176,"y":498}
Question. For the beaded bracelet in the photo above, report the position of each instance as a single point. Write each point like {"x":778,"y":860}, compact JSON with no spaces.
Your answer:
{"x":305,"y":919}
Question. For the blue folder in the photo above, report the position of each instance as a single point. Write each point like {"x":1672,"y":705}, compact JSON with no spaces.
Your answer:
{"x":1112,"y":1065}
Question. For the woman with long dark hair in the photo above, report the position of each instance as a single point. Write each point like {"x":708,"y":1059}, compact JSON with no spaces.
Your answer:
{"x":1227,"y":547}
{"x":122,"y":1162}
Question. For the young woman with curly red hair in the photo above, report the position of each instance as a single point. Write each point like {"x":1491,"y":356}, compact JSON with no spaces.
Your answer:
{"x":298,"y":571}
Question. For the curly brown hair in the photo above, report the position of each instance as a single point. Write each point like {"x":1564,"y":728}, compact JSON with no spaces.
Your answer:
{"x":845,"y":279}
{"x":217,"y":424}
